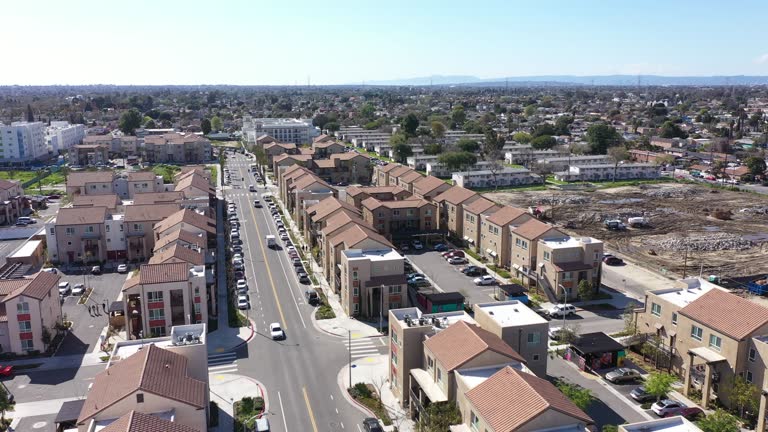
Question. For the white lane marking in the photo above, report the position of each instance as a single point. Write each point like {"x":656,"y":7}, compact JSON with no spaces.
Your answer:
{"x":337,"y":410}
{"x":342,"y":424}
{"x":358,"y":428}
{"x":331,"y":397}
{"x":280,"y":398}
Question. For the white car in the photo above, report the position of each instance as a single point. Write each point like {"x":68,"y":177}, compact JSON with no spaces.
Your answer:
{"x":122,"y":268}
{"x":243,"y":303}
{"x":484,"y":280}
{"x":242,"y":284}
{"x":417,"y":245}
{"x":64,"y":288}
{"x":78,"y":289}
{"x":457,"y":260}
{"x":238,"y":257}
{"x":276,"y":331}
{"x":562,"y":310}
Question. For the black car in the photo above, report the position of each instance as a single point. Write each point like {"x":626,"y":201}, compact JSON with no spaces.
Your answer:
{"x":474,"y":271}
{"x":304,"y":278}
{"x":312,"y":297}
{"x":639,"y":394}
{"x":299,"y":269}
{"x":613,"y":261}
{"x":370,"y":424}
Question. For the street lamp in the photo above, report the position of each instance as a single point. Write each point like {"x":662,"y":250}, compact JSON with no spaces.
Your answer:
{"x":562,"y":288}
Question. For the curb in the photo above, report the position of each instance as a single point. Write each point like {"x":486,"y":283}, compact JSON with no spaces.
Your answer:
{"x":350,"y":399}
{"x":239,"y":345}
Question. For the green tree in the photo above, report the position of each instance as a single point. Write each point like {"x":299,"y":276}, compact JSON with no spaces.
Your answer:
{"x":659,"y":384}
{"x":409,"y":124}
{"x":629,"y":319}
{"x":755,"y":164}
{"x":494,"y":141}
{"x":544,"y":129}
{"x":332,"y":126}
{"x":468,"y":145}
{"x":320,"y":120}
{"x":216,"y":124}
{"x":530,"y":110}
{"x":580,"y":396}
{"x":719,"y":421}
{"x":5,"y":403}
{"x":46,"y":337}
{"x":398,"y":138}
{"x":743,"y":394}
{"x":609,"y":428}
{"x":543,"y":142}
{"x":601,"y":136}
{"x":433,"y":149}
{"x":367,"y":110}
{"x":205,"y":125}
{"x":562,"y":125}
{"x":439,"y":416}
{"x":671,"y":130}
{"x":455,"y":161}
{"x":130,"y":121}
{"x":150,"y":124}
{"x":458,"y":117}
{"x":522,"y":137}
{"x":402,"y":151}
{"x":586,"y":291}
{"x":438,"y":129}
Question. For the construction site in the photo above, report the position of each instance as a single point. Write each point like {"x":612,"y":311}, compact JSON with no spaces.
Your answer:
{"x":682,"y":229}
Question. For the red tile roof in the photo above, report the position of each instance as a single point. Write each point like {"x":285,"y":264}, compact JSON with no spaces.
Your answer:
{"x":461,"y":342}
{"x":163,"y":273}
{"x":189,"y":217}
{"x":37,"y":287}
{"x":81,"y":216}
{"x":727,"y":313}
{"x":510,"y":399}
{"x":455,"y":195}
{"x":135,"y":421}
{"x":506,"y":215}
{"x":178,"y":252}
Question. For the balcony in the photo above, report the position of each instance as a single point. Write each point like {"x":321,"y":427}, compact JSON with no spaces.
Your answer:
{"x":134,"y":234}
{"x":91,"y":235}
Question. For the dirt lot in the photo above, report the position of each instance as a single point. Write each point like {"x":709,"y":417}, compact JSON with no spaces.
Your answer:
{"x":682,"y":217}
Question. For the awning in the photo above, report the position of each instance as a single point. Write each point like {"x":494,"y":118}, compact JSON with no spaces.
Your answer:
{"x":515,"y":266}
{"x":428,"y":385}
{"x":493,"y":254}
{"x":707,"y":355}
{"x":69,"y":411}
{"x":466,"y":238}
{"x":472,"y":241}
{"x":488,"y":251}
{"x":659,"y":326}
{"x":116,"y":306}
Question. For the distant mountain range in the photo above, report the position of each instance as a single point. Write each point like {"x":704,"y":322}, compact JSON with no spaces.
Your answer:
{"x":565,"y":80}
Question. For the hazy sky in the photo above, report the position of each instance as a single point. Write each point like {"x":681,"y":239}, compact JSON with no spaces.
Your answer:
{"x":333,"y":41}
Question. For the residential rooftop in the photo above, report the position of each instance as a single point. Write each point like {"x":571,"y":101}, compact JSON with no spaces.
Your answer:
{"x":669,"y":424}
{"x":373,"y":254}
{"x":438,"y":320}
{"x":682,"y":297}
{"x":569,"y":242}
{"x":511,"y":313}
{"x":190,"y":334}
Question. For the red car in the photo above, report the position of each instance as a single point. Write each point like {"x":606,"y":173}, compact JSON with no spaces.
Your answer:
{"x":455,"y":254}
{"x":448,"y":252}
{"x":6,"y":371}
{"x":690,"y":413}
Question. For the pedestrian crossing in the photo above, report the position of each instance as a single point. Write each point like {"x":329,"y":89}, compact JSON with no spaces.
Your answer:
{"x":242,"y":194}
{"x":222,"y":363}
{"x":362,"y":347}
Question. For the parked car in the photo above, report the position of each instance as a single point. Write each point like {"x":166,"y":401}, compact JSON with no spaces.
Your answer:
{"x":243,"y":303}
{"x":440,"y":247}
{"x":304,"y":278}
{"x":64,"y":288}
{"x":690,"y":413}
{"x":484,"y":280}
{"x":613,"y":261}
{"x":667,"y":407}
{"x":417,"y":245}
{"x":455,"y":254}
{"x":474,"y":270}
{"x":561,"y":310}
{"x":419,"y":283}
{"x":639,"y":394}
{"x":457,"y":260}
{"x":242,"y":284}
{"x":6,"y":371}
{"x":276,"y":331}
{"x":558,"y":333}
{"x":447,"y":252}
{"x":621,"y":375}
{"x":122,"y":268}
{"x":312,"y":297}
{"x":371,"y":424}
{"x":96,"y":270}
{"x":78,"y":289}
{"x":297,"y":262}
{"x":404,"y":247}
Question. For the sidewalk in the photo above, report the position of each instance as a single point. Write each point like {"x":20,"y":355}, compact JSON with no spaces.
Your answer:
{"x":373,"y":370}
{"x":226,"y":389}
{"x":31,"y":409}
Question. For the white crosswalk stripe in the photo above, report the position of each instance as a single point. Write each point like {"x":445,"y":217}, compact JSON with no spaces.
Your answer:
{"x":222,"y":363}
{"x":363,"y":347}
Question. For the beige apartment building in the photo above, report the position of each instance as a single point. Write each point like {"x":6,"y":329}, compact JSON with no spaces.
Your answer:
{"x":707,"y":346}
{"x":11,"y":201}
{"x":344,"y":231}
{"x":188,"y":220}
{"x":91,"y":183}
{"x":357,"y":194}
{"x":80,"y":235}
{"x":473,"y":216}
{"x":519,"y":327}
{"x":316,"y":218}
{"x":565,"y":261}
{"x":450,"y":208}
{"x":144,"y":182}
{"x":429,"y":187}
{"x":524,"y":241}
{"x":381,"y":174}
{"x":29,"y":305}
{"x":195,"y":185}
{"x":401,"y":218}
{"x":288,"y":177}
{"x":349,"y":167}
{"x":326,"y":148}
{"x":158,"y":384}
{"x":372,"y":282}
{"x":139,"y":224}
{"x":407,"y":180}
{"x":305,"y":189}
{"x":275,"y":149}
{"x":494,"y":233}
{"x":161,"y":296}
{"x":177,"y":148}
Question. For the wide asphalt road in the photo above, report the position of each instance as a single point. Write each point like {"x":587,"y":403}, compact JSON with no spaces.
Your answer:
{"x":300,"y":372}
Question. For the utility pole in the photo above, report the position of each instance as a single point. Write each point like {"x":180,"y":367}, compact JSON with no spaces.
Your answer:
{"x":381,"y":308}
{"x":349,"y":332}
{"x":685,"y":261}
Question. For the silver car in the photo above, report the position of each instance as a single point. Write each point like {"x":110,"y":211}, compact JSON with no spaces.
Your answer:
{"x":621,"y":375}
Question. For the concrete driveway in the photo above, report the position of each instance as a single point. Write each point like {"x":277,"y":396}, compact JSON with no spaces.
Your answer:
{"x":448,"y":278}
{"x":86,"y":326}
{"x":633,"y":280}
{"x":594,"y":319}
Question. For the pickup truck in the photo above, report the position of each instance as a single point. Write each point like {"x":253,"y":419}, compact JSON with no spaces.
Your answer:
{"x":271,"y":242}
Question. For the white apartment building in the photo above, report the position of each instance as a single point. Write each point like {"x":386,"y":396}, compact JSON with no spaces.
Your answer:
{"x":61,"y":135}
{"x":624,"y":171}
{"x":524,"y":154}
{"x":439,"y":170}
{"x":115,"y":233}
{"x":419,"y":162}
{"x":556,"y":164}
{"x":22,"y":142}
{"x":284,"y":130}
{"x":502,"y":178}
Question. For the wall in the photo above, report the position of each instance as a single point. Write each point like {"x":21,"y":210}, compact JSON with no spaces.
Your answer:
{"x":183,"y":413}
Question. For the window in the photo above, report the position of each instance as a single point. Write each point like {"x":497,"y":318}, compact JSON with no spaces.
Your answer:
{"x":136,"y":227}
{"x":106,"y":227}
{"x":749,"y":376}
{"x":696,"y":333}
{"x":409,"y":212}
{"x":430,"y":363}
{"x":525,"y":244}
{"x":395,"y":289}
{"x":27,"y":345}
{"x":715,"y":342}
{"x":567,"y":276}
{"x":157,"y":314}
{"x":752,"y":354}
{"x":439,"y":375}
{"x":154,"y":296}
{"x":53,"y":231}
{"x":355,"y":291}
{"x":25,"y":326}
{"x":354,"y":275}
{"x":474,"y":420}
{"x":394,"y":305}
{"x":534,"y":338}
{"x":535,"y":357}
{"x":22,"y":307}
{"x":356,"y":308}
{"x":393,"y":335}
{"x":518,"y":242}
{"x":546,"y":256}
{"x":89,"y":229}
{"x":396,"y":212}
{"x":70,"y":231}
{"x":139,"y":397}
{"x":655,"y":309}
{"x":674,"y":318}
{"x":157,"y":331}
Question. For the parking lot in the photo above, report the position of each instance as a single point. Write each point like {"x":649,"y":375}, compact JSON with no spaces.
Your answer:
{"x":448,"y":277}
{"x":87,"y":326}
